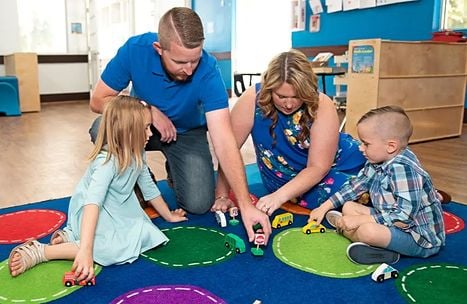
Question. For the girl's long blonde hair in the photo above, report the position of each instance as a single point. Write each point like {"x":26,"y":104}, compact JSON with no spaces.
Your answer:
{"x":294,"y":68}
{"x":122,"y":131}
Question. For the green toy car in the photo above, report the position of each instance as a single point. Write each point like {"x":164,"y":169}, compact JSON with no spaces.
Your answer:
{"x":233,"y":241}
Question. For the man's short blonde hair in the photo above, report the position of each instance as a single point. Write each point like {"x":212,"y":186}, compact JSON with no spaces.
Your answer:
{"x":182,"y":26}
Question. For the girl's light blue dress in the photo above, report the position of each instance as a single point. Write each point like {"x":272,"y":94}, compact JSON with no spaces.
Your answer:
{"x":123,"y":229}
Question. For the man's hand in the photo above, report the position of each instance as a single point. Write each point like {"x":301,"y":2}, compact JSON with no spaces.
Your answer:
{"x":164,"y":125}
{"x":252,"y":216}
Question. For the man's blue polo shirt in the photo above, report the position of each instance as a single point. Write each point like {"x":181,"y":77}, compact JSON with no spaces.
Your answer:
{"x":184,"y":103}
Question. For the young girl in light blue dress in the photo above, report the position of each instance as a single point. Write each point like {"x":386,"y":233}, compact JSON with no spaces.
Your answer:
{"x":106,"y":224}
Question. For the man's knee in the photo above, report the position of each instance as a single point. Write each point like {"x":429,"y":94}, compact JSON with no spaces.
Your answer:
{"x":95,"y":129}
{"x":197,"y":203}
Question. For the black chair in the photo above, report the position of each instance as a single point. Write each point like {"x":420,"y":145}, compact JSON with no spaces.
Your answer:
{"x":239,"y":80}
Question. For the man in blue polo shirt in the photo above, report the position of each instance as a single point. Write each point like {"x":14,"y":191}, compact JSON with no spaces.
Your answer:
{"x":182,"y":82}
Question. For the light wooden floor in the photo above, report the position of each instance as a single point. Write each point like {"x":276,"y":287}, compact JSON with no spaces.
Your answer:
{"x":43,"y":155}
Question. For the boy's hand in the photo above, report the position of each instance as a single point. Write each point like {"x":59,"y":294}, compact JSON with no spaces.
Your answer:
{"x":318,"y":214}
{"x":177,"y":215}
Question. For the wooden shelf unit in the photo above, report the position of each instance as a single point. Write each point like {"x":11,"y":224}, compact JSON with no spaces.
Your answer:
{"x":24,"y":66}
{"x":427,"y":79}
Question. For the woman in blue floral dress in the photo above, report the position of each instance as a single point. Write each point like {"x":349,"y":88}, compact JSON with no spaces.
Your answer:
{"x":301,"y":155}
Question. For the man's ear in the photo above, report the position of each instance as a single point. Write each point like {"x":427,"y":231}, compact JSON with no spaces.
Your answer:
{"x":392,"y":146}
{"x":157,"y":46}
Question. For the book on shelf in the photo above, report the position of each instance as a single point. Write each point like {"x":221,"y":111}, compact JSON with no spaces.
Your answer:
{"x":322,"y":59}
{"x":329,"y":70}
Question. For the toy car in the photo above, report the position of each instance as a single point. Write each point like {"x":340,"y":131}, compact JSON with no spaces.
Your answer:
{"x":313,"y":227}
{"x":383,"y":272}
{"x":69,"y":279}
{"x":233,"y":241}
{"x":282,"y":220}
{"x":220,"y":218}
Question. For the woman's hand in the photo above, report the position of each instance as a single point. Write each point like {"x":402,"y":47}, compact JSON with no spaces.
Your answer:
{"x":269,"y":203}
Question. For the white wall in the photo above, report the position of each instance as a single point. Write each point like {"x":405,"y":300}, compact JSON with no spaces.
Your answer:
{"x":53,"y":78}
{"x":9,"y":28}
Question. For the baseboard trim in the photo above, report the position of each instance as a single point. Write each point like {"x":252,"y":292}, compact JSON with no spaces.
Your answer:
{"x":65,"y":97}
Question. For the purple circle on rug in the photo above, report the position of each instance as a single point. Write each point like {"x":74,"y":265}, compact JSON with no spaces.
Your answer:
{"x":168,"y":294}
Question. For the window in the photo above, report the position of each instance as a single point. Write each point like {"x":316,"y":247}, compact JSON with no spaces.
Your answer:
{"x":454,"y":14}
{"x":42,"y":26}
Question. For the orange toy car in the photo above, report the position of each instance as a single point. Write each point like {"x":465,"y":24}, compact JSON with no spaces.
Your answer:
{"x":69,"y":279}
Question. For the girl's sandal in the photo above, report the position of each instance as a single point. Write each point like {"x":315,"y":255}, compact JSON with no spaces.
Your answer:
{"x":31,"y":252}
{"x":59,"y":233}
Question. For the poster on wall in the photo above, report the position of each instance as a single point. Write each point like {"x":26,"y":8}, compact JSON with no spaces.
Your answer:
{"x":298,"y":15}
{"x":334,"y":6}
{"x":387,"y":2}
{"x":367,"y":3}
{"x":315,"y":23}
{"x":316,"y":6}
{"x":363,"y":59}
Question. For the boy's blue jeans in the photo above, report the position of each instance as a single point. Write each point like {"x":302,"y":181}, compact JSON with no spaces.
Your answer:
{"x":189,"y":165}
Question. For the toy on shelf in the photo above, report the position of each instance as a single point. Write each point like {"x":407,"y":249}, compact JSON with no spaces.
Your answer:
{"x":282,"y":220}
{"x":69,"y":279}
{"x":313,"y":227}
{"x":233,"y":212}
{"x":384,"y":272}
{"x":233,"y":241}
{"x":220,"y":218}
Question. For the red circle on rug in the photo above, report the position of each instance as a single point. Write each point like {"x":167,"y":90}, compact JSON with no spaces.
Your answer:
{"x":452,"y":223}
{"x":20,"y":226}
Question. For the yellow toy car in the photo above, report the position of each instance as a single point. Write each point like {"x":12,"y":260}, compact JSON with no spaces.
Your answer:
{"x":313,"y":227}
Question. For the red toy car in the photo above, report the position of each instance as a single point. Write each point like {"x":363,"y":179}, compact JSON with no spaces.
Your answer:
{"x":69,"y":279}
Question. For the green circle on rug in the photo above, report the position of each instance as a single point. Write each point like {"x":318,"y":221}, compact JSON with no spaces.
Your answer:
{"x":191,"y":246}
{"x":41,"y":284}
{"x":319,"y":253}
{"x":433,"y":283}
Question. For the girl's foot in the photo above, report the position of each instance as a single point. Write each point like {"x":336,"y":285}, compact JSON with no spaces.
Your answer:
{"x":26,"y":256}
{"x":58,"y":237}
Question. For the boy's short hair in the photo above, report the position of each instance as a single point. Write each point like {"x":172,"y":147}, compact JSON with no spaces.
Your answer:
{"x":182,"y":26}
{"x":393,"y":123}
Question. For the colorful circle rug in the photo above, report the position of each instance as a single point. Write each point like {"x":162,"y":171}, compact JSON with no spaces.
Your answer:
{"x":191,"y":246}
{"x":433,"y":283}
{"x":41,"y":284}
{"x":169,"y":294}
{"x":323,"y":254}
{"x":452,"y":223}
{"x":20,"y":226}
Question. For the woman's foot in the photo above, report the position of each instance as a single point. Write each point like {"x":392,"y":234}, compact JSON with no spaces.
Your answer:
{"x":443,"y":197}
{"x":58,"y":237}
{"x":26,"y":256}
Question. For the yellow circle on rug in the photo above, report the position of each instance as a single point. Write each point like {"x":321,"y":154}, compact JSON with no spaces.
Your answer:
{"x":319,"y":253}
{"x":41,"y":284}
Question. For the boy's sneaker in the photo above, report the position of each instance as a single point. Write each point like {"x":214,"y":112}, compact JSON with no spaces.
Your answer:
{"x":361,"y":253}
{"x":332,"y":217}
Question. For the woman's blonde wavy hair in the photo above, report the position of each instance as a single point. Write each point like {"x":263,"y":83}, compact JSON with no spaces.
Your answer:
{"x":294,"y":68}
{"x":122,"y":131}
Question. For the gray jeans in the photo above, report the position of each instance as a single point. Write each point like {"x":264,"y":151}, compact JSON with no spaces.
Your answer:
{"x":189,"y":166}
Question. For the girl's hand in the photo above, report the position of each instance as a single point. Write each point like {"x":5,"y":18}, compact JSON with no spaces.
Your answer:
{"x":177,"y":215}
{"x":83,"y":265}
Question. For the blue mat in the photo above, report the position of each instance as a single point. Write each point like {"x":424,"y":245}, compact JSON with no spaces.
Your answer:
{"x":245,"y":278}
